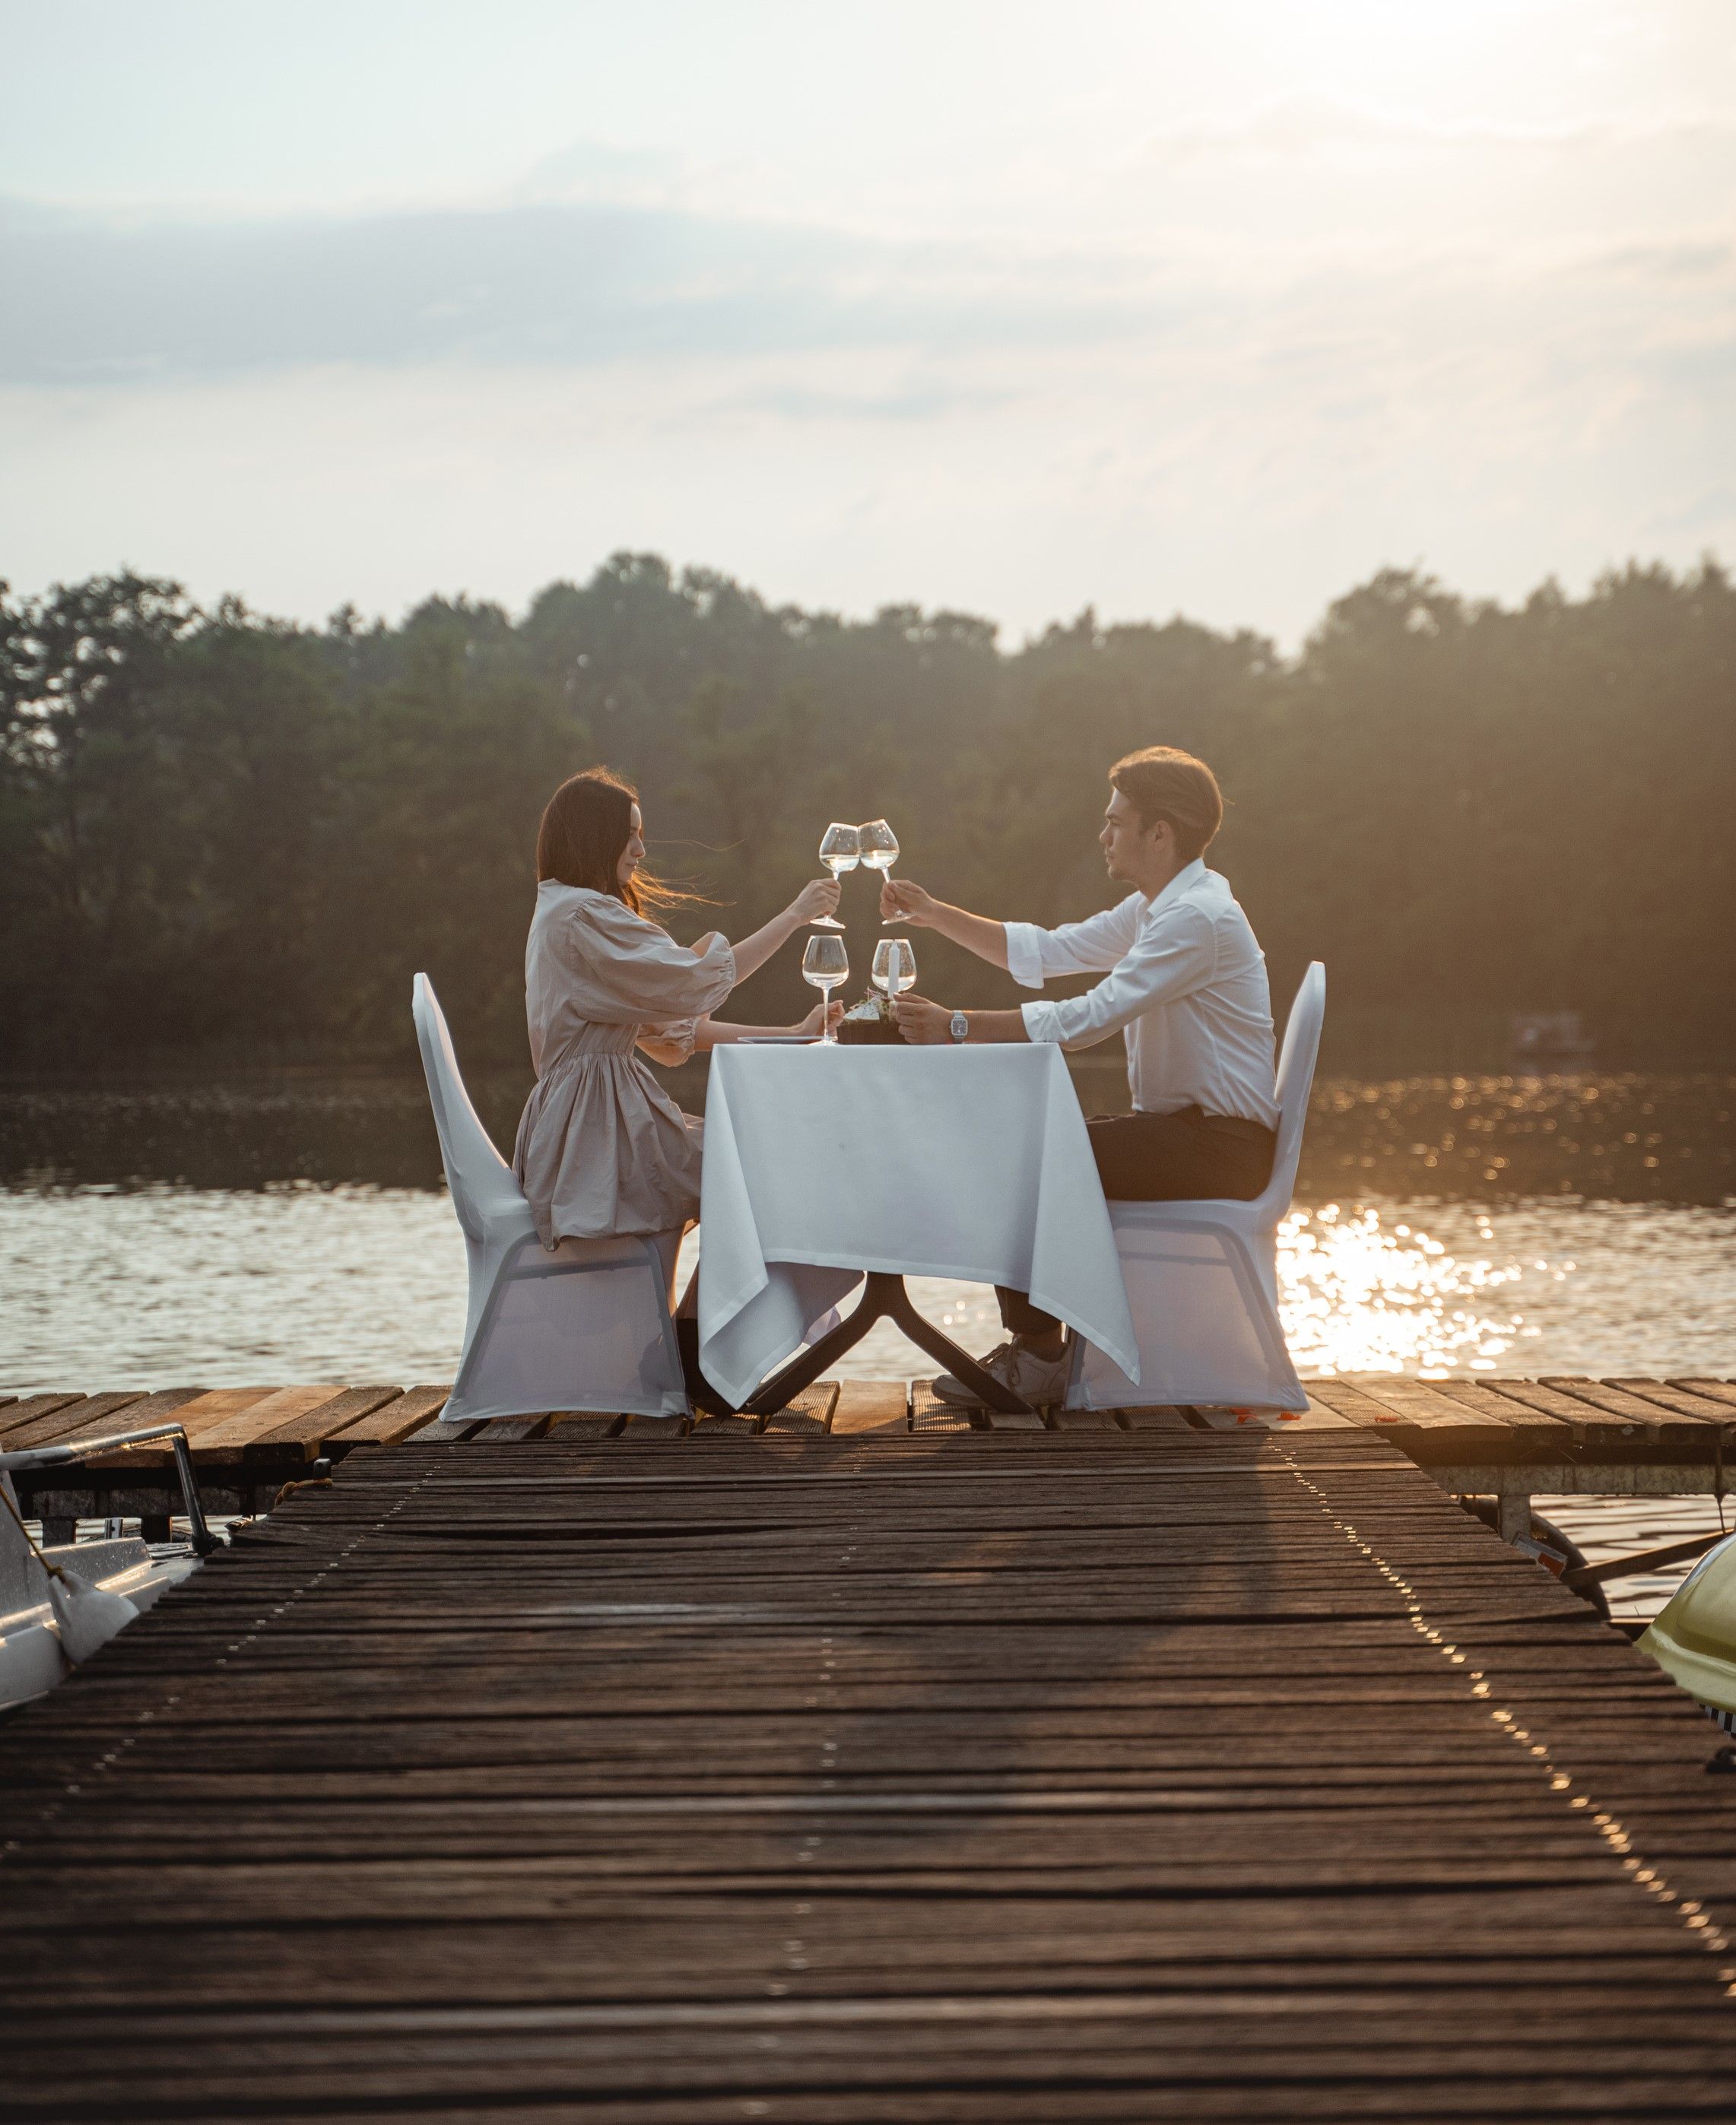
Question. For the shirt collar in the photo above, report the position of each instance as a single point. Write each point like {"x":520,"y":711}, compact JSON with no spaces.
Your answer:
{"x":1188,"y":876}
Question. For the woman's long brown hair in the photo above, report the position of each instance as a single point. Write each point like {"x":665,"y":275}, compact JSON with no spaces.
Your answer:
{"x":586,"y":825}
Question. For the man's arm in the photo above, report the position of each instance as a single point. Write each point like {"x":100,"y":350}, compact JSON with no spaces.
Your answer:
{"x":926,"y":1024}
{"x":1178,"y":957}
{"x":902,"y":900}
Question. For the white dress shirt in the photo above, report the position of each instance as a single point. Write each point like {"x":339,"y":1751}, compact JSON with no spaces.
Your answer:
{"x":1185,"y":985}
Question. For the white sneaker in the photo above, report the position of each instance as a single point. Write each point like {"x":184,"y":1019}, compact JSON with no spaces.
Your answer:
{"x":1034,"y":1379}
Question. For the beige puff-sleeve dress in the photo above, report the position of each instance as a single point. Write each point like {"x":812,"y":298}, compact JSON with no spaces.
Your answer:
{"x":601,"y":1147}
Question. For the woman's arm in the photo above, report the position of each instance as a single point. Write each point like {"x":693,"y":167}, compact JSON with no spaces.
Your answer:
{"x":902,"y":900}
{"x":819,"y":896}
{"x":715,"y":1033}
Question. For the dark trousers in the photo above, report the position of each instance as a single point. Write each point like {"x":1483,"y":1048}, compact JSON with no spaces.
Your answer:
{"x":1188,"y":1156}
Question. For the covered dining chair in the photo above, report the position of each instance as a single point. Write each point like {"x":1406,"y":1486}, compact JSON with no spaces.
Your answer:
{"x":1202,"y":1277}
{"x":585,"y":1327}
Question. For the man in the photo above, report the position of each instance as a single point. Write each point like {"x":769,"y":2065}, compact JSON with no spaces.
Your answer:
{"x":1184,"y":984}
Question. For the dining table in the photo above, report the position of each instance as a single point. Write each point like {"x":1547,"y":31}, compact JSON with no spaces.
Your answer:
{"x":827,"y":1165}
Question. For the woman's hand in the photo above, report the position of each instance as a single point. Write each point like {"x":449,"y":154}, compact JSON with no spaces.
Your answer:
{"x":923,"y":1024}
{"x":819,"y":896}
{"x":824,"y":1018}
{"x":902,"y":900}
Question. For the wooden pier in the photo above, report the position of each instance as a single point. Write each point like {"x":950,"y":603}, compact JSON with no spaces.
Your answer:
{"x":1508,"y":1438}
{"x":1176,"y":1772}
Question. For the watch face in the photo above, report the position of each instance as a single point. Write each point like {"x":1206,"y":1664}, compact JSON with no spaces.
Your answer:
{"x":960,"y":1025}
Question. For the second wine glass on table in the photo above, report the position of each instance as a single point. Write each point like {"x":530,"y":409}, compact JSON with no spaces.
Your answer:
{"x":894,"y":967}
{"x":825,"y":967}
{"x":841,"y":849}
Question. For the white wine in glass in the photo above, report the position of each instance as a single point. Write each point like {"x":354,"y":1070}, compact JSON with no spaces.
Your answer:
{"x":825,"y":967}
{"x":878,"y":844}
{"x":841,"y":849}
{"x":879,"y":847}
{"x":894,"y":967}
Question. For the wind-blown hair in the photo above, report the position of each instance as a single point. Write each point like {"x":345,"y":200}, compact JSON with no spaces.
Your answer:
{"x":586,"y":825}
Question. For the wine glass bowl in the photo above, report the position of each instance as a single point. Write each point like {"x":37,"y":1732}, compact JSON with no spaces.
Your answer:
{"x":825,"y":967}
{"x":841,"y":849}
{"x":894,"y":967}
{"x":878,"y":844}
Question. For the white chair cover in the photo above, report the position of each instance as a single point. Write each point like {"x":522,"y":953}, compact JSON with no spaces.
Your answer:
{"x":1202,"y":1277}
{"x":585,"y":1327}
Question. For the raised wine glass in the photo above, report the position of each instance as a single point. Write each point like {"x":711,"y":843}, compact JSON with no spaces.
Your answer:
{"x":894,"y":967}
{"x":825,"y":967}
{"x":841,"y":849}
{"x":878,"y":844}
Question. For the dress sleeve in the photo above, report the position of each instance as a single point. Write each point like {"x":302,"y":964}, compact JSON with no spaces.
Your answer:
{"x":634,"y":973}
{"x":669,"y":1044}
{"x":1091,"y":947}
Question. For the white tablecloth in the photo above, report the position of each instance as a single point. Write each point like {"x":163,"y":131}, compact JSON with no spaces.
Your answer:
{"x":822,"y":1162}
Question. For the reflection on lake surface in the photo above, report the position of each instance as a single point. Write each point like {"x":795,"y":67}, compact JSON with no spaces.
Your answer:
{"x":1628,"y":1139}
{"x":166,"y":1287}
{"x":293,"y":1230}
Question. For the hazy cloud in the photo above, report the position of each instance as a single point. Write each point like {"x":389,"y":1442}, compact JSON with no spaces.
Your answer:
{"x":94,"y":302}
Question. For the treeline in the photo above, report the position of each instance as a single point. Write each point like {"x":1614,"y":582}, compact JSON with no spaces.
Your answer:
{"x":224,"y":837}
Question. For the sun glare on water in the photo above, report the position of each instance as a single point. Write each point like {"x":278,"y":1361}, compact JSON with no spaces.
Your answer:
{"x":1363,"y":1295}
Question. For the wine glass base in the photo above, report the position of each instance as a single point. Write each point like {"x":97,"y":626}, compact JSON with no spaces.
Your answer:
{"x":824,"y":922}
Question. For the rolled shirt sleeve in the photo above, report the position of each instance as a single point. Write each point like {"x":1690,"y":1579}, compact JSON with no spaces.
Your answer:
{"x":1025,"y":954}
{"x":1091,"y":947}
{"x":1169,"y":958}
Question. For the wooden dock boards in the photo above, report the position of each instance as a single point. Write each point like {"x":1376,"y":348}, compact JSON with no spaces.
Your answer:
{"x":1192,"y":1775}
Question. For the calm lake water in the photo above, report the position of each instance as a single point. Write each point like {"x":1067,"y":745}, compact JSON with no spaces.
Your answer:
{"x":296,"y":1230}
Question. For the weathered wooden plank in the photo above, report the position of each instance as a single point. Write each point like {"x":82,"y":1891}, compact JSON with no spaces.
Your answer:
{"x":868,"y":1407}
{"x":574,"y":1423}
{"x":504,"y":1430}
{"x":656,"y":1429}
{"x":29,"y":1409}
{"x":1658,"y":1427}
{"x":200,"y":1411}
{"x":1682,"y":1401}
{"x":1536,"y":1436}
{"x":1426,"y":1426}
{"x":392,"y":1422}
{"x":808,"y":1415}
{"x":1594,"y":1430}
{"x":1722,"y":1392}
{"x":88,"y":1415}
{"x":228,"y":1440}
{"x":1080,"y":1420}
{"x":134,"y":1414}
{"x":443,"y":1431}
{"x":307,"y":1433}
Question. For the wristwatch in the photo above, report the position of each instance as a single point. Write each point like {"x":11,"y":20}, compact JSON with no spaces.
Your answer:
{"x":959,"y":1025}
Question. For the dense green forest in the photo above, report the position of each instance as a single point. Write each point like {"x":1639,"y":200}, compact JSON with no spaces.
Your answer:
{"x":227,"y":837}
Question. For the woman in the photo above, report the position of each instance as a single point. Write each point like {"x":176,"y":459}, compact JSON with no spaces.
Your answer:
{"x":602,"y":1148}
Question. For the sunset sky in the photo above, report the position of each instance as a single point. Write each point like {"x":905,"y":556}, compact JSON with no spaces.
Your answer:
{"x":1012,"y":308}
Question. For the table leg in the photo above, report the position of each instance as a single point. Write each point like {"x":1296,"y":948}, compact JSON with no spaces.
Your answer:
{"x":884,"y":1299}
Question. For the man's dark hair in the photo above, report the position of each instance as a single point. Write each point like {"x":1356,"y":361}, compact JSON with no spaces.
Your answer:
{"x":1162,"y":783}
